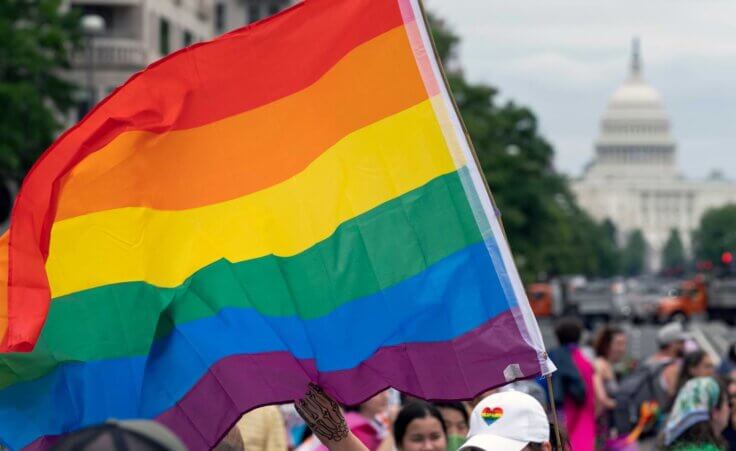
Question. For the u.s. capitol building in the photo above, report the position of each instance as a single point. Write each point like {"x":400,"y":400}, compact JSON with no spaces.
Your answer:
{"x":634,"y":180}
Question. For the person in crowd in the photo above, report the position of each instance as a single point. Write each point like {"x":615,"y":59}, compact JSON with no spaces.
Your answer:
{"x":508,"y":421}
{"x":232,"y":441}
{"x":610,"y":348}
{"x":727,"y":368}
{"x":729,"y":434}
{"x":419,"y":426}
{"x":326,"y":420}
{"x":260,"y":429}
{"x":695,"y":364}
{"x":367,"y":422}
{"x":457,"y":420}
{"x":294,"y":425}
{"x":671,"y":340}
{"x":699,"y":415}
{"x":573,"y":384}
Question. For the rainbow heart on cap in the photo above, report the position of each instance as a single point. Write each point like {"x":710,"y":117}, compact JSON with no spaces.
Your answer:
{"x":491,"y":415}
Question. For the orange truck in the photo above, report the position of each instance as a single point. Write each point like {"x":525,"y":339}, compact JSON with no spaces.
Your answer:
{"x":541,"y":298}
{"x":684,"y":302}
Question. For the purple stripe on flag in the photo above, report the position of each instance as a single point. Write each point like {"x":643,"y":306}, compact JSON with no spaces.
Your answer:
{"x":456,"y":369}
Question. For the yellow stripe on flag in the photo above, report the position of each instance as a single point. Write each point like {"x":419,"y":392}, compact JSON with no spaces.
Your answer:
{"x":365,"y":169}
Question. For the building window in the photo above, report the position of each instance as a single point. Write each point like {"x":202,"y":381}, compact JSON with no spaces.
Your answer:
{"x":220,"y":17}
{"x":273,"y":9}
{"x":164,"y":46}
{"x":83,"y":108}
{"x":254,"y":13}
{"x":188,"y":38}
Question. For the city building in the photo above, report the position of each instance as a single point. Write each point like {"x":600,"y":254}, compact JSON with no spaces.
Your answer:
{"x":231,"y":14}
{"x":634,"y":179}
{"x":135,"y":33}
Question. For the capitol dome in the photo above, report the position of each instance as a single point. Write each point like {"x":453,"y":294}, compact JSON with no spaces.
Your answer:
{"x":634,"y":137}
{"x":635,"y":102}
{"x":636,"y":93}
{"x":633,"y":179}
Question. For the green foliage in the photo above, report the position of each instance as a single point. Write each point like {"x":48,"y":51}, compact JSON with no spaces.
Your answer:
{"x":673,"y":253}
{"x":35,"y":41}
{"x":445,"y":41}
{"x":634,"y":254}
{"x":610,"y":254}
{"x":547,"y":231}
{"x":716,"y":233}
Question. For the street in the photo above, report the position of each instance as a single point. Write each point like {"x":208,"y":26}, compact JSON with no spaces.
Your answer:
{"x":712,"y":336}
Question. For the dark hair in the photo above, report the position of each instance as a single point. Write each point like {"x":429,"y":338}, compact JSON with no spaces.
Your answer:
{"x":357,"y":407}
{"x":690,"y":361}
{"x":454,"y":405}
{"x":732,"y":352}
{"x":699,"y":434}
{"x":604,"y":338}
{"x":411,"y":412}
{"x":565,"y":443}
{"x":568,"y":330}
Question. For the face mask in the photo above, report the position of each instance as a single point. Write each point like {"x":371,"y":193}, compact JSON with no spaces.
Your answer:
{"x":454,"y":442}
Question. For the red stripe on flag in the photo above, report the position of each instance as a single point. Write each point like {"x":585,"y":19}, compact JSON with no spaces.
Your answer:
{"x":209,"y":81}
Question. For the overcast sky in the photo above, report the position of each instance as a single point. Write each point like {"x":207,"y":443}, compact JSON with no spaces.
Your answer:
{"x":564,"y":59}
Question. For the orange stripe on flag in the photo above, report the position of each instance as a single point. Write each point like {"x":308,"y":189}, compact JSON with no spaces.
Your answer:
{"x":250,"y":151}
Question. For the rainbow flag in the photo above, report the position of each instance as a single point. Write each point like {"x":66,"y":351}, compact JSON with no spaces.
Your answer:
{"x":294,"y":201}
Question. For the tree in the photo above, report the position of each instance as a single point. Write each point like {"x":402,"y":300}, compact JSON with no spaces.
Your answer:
{"x":547,"y":231}
{"x":444,"y":40}
{"x":673,"y":254}
{"x":35,"y":43}
{"x":609,"y":255}
{"x":634,"y":254}
{"x":716,"y":233}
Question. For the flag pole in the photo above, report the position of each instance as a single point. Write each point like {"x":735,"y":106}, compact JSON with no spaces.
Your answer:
{"x":459,"y":116}
{"x":553,"y":406}
{"x":488,"y":189}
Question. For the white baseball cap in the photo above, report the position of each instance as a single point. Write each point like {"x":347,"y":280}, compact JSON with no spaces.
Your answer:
{"x":507,"y":421}
{"x":671,"y":333}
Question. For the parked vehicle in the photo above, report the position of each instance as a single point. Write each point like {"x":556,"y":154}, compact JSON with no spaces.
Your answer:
{"x":722,"y":300}
{"x":643,"y":296}
{"x":688,"y":300}
{"x":541,"y":299}
{"x":600,"y":300}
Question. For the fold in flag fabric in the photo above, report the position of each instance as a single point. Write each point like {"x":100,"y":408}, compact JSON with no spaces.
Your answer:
{"x":294,"y":201}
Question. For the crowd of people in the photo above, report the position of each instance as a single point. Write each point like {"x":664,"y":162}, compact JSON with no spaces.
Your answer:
{"x":502,"y":419}
{"x":676,"y":399}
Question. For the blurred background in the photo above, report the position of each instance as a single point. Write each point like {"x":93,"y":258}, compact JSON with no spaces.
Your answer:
{"x":605,"y":131}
